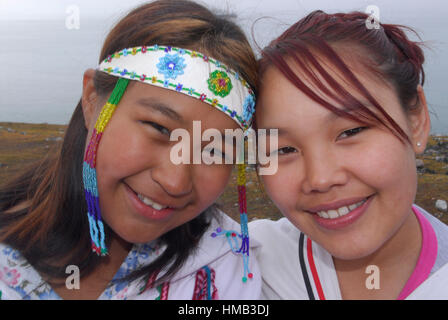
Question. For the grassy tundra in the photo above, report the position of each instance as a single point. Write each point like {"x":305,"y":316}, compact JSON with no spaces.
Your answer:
{"x":21,"y":144}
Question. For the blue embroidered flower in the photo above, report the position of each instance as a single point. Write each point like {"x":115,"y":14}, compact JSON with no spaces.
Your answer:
{"x":171,"y":65}
{"x":248,"y":107}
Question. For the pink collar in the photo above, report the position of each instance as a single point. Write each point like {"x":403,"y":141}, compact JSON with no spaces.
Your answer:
{"x":427,"y":258}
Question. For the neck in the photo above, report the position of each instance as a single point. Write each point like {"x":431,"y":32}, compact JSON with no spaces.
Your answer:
{"x":395,"y":261}
{"x":93,"y":284}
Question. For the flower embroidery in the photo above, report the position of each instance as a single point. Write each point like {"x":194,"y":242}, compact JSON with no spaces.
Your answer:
{"x":171,"y":65}
{"x":248,"y":107}
{"x":219,"y":83}
{"x":202,"y":97}
{"x":9,"y":276}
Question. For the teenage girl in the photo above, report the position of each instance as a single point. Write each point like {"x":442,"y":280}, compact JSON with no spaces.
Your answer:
{"x":111,"y":216}
{"x":351,"y":115}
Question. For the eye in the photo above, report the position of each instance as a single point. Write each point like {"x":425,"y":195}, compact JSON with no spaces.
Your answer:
{"x":351,"y":132}
{"x":158,"y":127}
{"x":286,"y":150}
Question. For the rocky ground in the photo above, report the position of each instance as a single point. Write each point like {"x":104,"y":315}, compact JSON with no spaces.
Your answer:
{"x":21,"y":144}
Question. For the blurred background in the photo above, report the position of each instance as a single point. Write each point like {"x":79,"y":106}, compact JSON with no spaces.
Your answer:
{"x":46,"y":45}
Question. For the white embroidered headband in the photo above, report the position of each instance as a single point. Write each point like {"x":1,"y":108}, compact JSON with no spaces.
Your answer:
{"x":188,"y":72}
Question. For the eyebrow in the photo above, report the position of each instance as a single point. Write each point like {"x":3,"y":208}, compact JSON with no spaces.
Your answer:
{"x":160,"y":107}
{"x":327,"y":118}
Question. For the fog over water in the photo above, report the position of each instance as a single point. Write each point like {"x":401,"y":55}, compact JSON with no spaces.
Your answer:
{"x":42,"y":61}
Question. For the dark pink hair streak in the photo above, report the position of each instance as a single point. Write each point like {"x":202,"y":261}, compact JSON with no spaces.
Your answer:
{"x":387,"y":53}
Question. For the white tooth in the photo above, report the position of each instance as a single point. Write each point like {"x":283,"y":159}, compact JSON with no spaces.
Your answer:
{"x":353,"y":206}
{"x":157,"y":206}
{"x":151,"y":203}
{"x":333,"y":214}
{"x":324,"y":215}
{"x":343,"y":211}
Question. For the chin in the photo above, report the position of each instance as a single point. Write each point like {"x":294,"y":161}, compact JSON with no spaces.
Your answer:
{"x":352,"y":253}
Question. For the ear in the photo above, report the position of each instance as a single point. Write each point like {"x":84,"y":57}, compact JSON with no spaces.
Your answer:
{"x":89,"y":98}
{"x":420,"y":123}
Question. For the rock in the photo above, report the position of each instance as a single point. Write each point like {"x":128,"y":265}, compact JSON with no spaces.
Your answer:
{"x":419,"y":163}
{"x":441,"y":205}
{"x":10,"y":130}
{"x":54,"y":139}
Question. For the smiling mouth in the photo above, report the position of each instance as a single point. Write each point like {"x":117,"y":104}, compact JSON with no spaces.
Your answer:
{"x":151,"y":203}
{"x":335,"y":212}
{"x":340,"y":212}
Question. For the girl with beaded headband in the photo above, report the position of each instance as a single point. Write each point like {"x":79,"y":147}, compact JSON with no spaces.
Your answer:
{"x":113,"y":203}
{"x":351,"y":115}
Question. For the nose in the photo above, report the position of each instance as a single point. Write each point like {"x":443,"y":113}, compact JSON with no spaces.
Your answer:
{"x":323,"y":171}
{"x":174,"y":179}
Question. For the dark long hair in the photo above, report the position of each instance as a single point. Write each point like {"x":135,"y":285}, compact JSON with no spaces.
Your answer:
{"x":42,"y":212}
{"x":386,"y":52}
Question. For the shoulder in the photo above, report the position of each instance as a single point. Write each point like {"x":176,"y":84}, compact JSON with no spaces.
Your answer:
{"x":18,"y":279}
{"x":441,"y":233}
{"x":273,"y":234}
{"x":216,"y":258}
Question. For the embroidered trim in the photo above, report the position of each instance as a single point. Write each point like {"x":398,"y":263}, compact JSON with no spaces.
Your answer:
{"x":204,"y":287}
{"x":216,"y":84}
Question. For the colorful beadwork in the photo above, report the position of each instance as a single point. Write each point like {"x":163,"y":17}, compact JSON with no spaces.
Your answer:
{"x":248,"y":107}
{"x":232,"y":236}
{"x":205,"y":79}
{"x":171,"y":66}
{"x":89,"y":169}
{"x":219,"y":83}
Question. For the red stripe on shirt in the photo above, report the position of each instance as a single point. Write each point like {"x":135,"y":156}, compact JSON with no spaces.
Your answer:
{"x":309,"y":250}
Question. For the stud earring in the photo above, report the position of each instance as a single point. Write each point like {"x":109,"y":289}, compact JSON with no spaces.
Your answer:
{"x":419,"y":144}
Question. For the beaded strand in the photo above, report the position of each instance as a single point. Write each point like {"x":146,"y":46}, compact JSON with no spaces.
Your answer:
{"x":96,"y":226}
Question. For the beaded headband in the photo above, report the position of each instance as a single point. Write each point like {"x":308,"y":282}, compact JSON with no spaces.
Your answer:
{"x":196,"y":75}
{"x":188,"y":72}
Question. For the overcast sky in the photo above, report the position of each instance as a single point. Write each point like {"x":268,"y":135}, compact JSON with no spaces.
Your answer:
{"x":427,"y":17}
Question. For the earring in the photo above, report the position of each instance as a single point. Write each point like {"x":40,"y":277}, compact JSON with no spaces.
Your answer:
{"x":419,"y":144}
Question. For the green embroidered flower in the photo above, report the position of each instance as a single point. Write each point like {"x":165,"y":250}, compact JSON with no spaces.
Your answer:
{"x":219,"y":83}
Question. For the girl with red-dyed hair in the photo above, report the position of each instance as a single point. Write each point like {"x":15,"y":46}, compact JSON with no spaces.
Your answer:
{"x":351,"y":115}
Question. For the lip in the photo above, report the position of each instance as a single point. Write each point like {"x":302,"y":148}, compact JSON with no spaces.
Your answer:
{"x":147,"y":211}
{"x":344,"y":221}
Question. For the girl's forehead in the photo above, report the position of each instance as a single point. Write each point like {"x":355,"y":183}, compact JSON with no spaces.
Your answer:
{"x":176,"y":106}
{"x":312,"y":88}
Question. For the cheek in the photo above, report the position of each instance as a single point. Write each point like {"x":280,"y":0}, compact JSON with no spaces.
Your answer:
{"x":211,"y":181}
{"x":281,"y":188}
{"x":385,"y":164}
